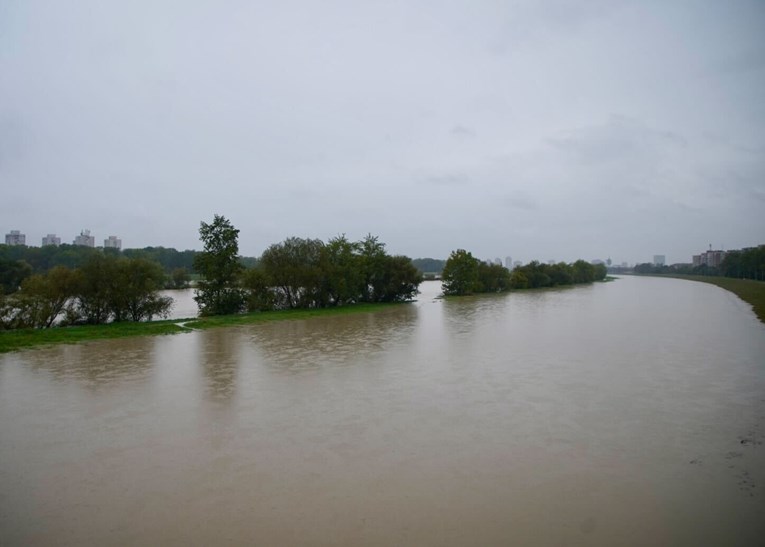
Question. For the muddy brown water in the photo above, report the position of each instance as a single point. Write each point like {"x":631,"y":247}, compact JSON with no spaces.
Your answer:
{"x":625,"y":413}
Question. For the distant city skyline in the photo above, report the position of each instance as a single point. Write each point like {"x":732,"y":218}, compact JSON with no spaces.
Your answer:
{"x":116,"y":242}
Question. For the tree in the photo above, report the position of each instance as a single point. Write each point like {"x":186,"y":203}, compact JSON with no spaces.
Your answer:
{"x":93,"y":289}
{"x":294,"y":267}
{"x":219,"y":292}
{"x":134,"y":290}
{"x":343,"y":278}
{"x":371,"y":255}
{"x":258,"y":289}
{"x":48,"y":294}
{"x":12,"y":273}
{"x":460,"y":275}
{"x":398,"y":280}
{"x":493,"y":278}
{"x":179,"y":279}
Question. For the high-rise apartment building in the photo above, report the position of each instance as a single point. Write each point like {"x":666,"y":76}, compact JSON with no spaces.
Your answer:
{"x":15,"y":238}
{"x":113,"y":242}
{"x":659,"y":260}
{"x":709,"y":258}
{"x":51,"y":239}
{"x":85,"y":239}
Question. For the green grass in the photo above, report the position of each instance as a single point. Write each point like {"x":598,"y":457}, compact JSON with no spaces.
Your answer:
{"x":26,"y":338}
{"x":261,"y":317}
{"x":748,"y":290}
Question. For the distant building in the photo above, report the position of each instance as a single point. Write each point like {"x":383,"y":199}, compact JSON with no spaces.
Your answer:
{"x":517,"y":264}
{"x":85,"y":239}
{"x":113,"y":242}
{"x":15,"y":238}
{"x":509,"y":262}
{"x":51,"y":239}
{"x":597,"y":261}
{"x":659,"y":260}
{"x":710,"y":258}
{"x":498,"y":261}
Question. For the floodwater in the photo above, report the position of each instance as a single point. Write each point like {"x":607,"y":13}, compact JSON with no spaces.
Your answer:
{"x":184,"y":305}
{"x":624,"y":413}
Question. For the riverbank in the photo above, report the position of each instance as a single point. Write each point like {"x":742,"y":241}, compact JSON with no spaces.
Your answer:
{"x":26,"y":338}
{"x":750,"y":291}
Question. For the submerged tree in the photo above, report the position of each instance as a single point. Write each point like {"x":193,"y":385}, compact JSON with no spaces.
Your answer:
{"x":460,"y":275}
{"x":219,"y":292}
{"x":48,"y":294}
{"x":307,"y":273}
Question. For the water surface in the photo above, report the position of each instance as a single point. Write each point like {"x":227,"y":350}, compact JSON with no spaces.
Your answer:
{"x":625,"y":413}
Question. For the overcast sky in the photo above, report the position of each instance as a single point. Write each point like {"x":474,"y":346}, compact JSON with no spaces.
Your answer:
{"x":540,"y":130}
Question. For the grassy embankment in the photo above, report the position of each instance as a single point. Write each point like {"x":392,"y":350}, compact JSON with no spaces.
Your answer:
{"x":748,"y":290}
{"x":25,"y":338}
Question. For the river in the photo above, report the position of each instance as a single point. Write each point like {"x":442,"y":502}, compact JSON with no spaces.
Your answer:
{"x":623,"y":413}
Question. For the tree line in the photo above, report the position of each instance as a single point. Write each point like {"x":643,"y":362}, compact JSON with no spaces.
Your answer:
{"x":106,"y":288}
{"x":298,"y":273}
{"x":464,"y":274}
{"x":107,"y":285}
{"x":738,"y":264}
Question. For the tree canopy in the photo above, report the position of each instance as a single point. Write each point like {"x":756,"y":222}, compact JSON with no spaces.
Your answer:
{"x":464,"y":274}
{"x":307,"y":273}
{"x":218,"y":292}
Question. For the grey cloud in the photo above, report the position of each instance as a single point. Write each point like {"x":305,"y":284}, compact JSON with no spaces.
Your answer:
{"x":449,"y":179}
{"x":620,"y":137}
{"x":521,"y":202}
{"x":462,"y":131}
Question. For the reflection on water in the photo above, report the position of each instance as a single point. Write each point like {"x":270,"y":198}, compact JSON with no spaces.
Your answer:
{"x":353,"y":340}
{"x":217,"y":351}
{"x":184,"y":305}
{"x":626,"y":413}
{"x":96,"y":364}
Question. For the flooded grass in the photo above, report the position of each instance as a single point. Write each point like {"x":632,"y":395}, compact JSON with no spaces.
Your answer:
{"x":26,"y":338}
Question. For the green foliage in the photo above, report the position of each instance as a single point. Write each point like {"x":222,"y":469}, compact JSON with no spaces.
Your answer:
{"x":429,"y":265}
{"x":106,"y":288}
{"x":219,"y":265}
{"x":461,"y":274}
{"x":518,"y":279}
{"x":396,"y":279}
{"x":294,"y":269}
{"x":93,"y":289}
{"x":12,"y":274}
{"x":170,"y":259}
{"x":43,"y":259}
{"x":306,"y":273}
{"x":134,"y":290}
{"x":745,"y":264}
{"x":257,"y":287}
{"x":47,"y":295}
{"x":179,"y":279}
{"x":464,"y":274}
{"x":342,"y":277}
{"x":493,"y":278}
